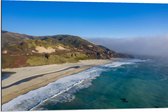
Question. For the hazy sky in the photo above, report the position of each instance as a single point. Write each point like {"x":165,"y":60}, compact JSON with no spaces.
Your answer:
{"x":93,"y":20}
{"x":155,"y":46}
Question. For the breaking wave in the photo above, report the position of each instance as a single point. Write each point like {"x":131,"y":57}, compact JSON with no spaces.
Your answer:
{"x":61,"y":90}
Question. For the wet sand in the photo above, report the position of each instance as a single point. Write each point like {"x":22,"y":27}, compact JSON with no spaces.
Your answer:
{"x":26,"y":79}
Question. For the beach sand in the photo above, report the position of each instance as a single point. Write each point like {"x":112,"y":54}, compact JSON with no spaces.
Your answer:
{"x":26,"y":79}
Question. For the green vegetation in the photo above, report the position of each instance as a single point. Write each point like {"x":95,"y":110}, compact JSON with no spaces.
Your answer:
{"x":56,"y":59}
{"x":20,"y":50}
{"x":7,"y":61}
{"x":13,"y":61}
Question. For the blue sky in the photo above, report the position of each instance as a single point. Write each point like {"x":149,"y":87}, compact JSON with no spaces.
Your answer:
{"x":90,"y":20}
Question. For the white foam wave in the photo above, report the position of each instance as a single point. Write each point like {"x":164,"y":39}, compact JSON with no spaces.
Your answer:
{"x":124,"y":62}
{"x":60,"y":90}
{"x":117,"y":64}
{"x":34,"y":97}
{"x":66,"y":96}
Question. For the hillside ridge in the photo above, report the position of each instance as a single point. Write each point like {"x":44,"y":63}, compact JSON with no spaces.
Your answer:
{"x":19,"y":50}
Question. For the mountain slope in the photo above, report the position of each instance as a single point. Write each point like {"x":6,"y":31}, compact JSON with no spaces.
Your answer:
{"x":20,"y":50}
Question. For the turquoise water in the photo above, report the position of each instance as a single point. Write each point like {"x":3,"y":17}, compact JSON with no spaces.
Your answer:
{"x":125,"y":83}
{"x":139,"y":85}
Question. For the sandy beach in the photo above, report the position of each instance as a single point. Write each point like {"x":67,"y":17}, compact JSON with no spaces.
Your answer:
{"x":26,"y":79}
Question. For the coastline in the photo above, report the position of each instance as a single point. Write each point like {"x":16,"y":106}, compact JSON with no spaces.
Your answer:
{"x":39,"y":76}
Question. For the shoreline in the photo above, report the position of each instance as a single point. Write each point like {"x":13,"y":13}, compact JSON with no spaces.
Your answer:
{"x":50,"y":73}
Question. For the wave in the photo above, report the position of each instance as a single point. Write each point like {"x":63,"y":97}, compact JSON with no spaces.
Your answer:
{"x":123,"y":62}
{"x":35,"y":97}
{"x":61,"y":90}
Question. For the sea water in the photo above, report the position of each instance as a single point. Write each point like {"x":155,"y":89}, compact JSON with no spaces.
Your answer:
{"x":124,"y":83}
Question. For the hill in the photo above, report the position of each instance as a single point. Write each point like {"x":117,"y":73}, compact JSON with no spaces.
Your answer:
{"x":20,"y":50}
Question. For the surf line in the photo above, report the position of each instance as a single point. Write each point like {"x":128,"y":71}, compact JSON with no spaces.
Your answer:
{"x":59,"y":93}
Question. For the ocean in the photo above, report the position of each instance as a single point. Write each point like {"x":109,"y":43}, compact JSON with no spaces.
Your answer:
{"x":124,"y":83}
